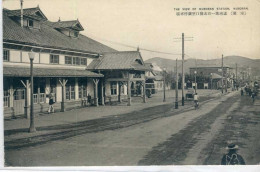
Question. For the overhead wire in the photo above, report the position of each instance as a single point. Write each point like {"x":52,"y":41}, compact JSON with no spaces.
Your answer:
{"x":134,"y":47}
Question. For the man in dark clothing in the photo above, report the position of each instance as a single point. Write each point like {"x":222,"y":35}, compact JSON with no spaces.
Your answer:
{"x":242,"y":92}
{"x":51,"y":102}
{"x":232,"y":158}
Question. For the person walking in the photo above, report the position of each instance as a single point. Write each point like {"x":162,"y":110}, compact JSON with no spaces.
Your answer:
{"x":232,"y":157}
{"x":242,"y":92}
{"x":51,"y":103}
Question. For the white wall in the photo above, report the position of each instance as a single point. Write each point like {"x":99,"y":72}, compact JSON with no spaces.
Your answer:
{"x":90,"y":87}
{"x":62,"y":59}
{"x":15,"y":56}
{"x":89,"y":60}
{"x":107,"y":87}
{"x":25,"y":57}
{"x":45,"y":58}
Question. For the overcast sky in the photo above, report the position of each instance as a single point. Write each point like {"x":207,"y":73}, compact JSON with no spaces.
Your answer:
{"x":153,"y":25}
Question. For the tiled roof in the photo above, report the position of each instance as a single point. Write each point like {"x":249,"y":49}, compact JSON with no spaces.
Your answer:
{"x":47,"y":36}
{"x":47,"y":72}
{"x":123,"y":60}
{"x":68,"y":24}
{"x":29,"y":12}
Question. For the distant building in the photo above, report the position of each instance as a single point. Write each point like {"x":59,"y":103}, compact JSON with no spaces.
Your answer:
{"x":214,"y":74}
{"x":155,"y":78}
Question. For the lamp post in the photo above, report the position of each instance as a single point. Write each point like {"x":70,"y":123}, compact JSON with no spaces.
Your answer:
{"x":32,"y":127}
{"x":164,"y":78}
{"x":195,"y":73}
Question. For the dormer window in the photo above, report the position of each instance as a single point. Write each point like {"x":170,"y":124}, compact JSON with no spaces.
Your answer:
{"x":74,"y":34}
{"x":30,"y":23}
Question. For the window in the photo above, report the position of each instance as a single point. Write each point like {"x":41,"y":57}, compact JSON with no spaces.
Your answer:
{"x":6,"y":55}
{"x":54,"y":59}
{"x":83,"y":61}
{"x":68,"y":60}
{"x":70,"y":89}
{"x":76,"y":61}
{"x":75,"y":34}
{"x":113,"y":88}
{"x":30,"y":23}
{"x":82,"y":82}
{"x":19,"y":94}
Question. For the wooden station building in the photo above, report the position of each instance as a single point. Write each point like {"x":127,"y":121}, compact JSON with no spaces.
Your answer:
{"x":62,"y":55}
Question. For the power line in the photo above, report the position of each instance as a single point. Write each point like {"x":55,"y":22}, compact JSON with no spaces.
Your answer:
{"x":134,"y":47}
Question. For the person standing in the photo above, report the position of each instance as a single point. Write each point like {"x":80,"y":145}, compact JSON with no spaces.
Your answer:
{"x":51,"y":103}
{"x":232,"y":157}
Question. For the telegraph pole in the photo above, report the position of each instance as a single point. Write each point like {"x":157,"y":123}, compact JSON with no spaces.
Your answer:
{"x":176,"y":87}
{"x":222,"y":75}
{"x":182,"y":38}
{"x":236,"y":78}
{"x":182,"y":98}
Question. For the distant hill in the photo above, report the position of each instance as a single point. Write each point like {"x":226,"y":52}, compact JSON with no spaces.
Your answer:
{"x":242,"y":63}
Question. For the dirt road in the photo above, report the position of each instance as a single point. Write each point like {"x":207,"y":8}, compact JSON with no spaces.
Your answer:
{"x":153,"y":136}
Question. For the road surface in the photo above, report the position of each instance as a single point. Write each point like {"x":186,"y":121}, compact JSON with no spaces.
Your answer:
{"x":157,"y":135}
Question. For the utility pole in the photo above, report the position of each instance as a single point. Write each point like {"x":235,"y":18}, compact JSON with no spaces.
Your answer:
{"x":236,"y":78}
{"x":182,"y":38}
{"x":196,"y":77}
{"x":164,"y":80}
{"x":222,"y":75}
{"x":182,"y":98}
{"x":176,"y":87}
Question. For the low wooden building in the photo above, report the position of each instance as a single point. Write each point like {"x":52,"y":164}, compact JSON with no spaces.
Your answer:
{"x":124,"y":75}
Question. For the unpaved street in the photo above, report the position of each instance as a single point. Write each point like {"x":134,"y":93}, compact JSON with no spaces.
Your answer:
{"x":156,"y":135}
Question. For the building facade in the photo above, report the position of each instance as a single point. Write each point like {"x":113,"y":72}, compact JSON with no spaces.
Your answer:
{"x":61,"y":56}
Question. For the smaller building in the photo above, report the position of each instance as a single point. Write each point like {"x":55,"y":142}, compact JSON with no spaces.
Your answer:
{"x":155,"y":78}
{"x":212,"y":76}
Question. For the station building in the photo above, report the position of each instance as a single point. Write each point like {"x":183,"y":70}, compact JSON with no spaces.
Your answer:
{"x":61,"y":56}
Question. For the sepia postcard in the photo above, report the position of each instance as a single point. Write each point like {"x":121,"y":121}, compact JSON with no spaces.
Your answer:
{"x":140,"y":85}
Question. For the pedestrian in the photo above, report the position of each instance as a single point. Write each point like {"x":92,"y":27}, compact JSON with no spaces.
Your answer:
{"x":232,"y":157}
{"x":253,"y":96}
{"x":89,"y":99}
{"x":51,"y":103}
{"x":242,"y":92}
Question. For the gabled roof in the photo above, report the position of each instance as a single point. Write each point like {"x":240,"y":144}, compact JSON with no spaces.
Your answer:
{"x":35,"y":13}
{"x":74,"y":24}
{"x":47,"y":36}
{"x":123,"y":60}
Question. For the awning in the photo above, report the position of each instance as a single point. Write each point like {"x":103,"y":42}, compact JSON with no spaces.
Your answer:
{"x":48,"y":72}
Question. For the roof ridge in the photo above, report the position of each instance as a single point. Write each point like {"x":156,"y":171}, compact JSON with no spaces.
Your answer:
{"x":26,"y":9}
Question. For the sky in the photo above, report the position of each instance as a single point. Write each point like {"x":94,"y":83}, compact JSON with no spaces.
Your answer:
{"x":154,"y":25}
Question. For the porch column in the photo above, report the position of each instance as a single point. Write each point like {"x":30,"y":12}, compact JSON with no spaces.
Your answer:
{"x":129,"y":90}
{"x":119,"y":91}
{"x":63,"y":85}
{"x":96,"y":91}
{"x":102,"y":93}
{"x":77,"y":89}
{"x":11,"y":97}
{"x":144,"y":92}
{"x":26,"y":98}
